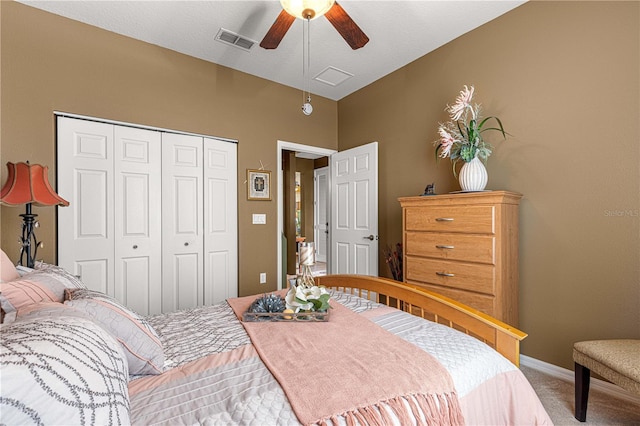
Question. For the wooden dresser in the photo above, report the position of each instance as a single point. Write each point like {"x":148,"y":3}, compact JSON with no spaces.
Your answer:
{"x":465,"y":246}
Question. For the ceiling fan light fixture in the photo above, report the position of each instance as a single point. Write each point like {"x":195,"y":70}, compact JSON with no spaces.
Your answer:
{"x":307,"y":9}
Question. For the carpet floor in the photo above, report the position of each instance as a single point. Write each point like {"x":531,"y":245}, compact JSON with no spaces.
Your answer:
{"x":557,"y":397}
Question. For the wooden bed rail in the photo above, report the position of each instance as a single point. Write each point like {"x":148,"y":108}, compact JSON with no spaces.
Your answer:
{"x":434,"y":307}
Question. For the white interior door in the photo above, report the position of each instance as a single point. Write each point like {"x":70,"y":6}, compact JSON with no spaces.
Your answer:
{"x":85,"y":179}
{"x":182,"y":222}
{"x":321,"y":216}
{"x":138,"y":227}
{"x":354,"y":211}
{"x":221,"y":221}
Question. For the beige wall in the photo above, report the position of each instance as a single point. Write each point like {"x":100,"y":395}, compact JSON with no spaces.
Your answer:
{"x":564,"y":79}
{"x":50,"y":63}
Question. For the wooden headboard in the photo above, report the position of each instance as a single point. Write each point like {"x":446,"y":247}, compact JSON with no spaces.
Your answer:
{"x":429,"y":305}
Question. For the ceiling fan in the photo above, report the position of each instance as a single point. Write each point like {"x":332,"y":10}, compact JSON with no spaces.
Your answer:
{"x":310,"y":9}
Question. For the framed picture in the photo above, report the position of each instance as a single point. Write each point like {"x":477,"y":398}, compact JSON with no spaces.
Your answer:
{"x":259,"y":185}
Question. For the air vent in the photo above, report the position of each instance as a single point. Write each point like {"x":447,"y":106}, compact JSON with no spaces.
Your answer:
{"x":332,"y":76}
{"x":235,"y":40}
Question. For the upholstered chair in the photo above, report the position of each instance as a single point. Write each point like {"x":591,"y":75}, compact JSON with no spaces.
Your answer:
{"x":617,"y":360}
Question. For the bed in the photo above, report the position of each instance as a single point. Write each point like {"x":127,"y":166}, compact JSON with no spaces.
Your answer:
{"x":389,"y":354}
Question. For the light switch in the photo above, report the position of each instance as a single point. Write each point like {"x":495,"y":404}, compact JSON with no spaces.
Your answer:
{"x":260,"y":219}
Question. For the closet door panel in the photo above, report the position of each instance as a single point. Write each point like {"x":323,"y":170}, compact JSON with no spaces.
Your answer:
{"x":182,"y":222}
{"x":85,"y":179}
{"x":94,"y":273}
{"x":218,"y":277}
{"x":138,"y":226}
{"x":220,"y":212}
{"x":187,"y":273}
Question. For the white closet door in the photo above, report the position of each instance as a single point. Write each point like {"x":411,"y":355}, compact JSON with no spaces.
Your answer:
{"x":85,"y":179}
{"x":182,"y":222}
{"x":220,"y":221}
{"x":138,"y":227}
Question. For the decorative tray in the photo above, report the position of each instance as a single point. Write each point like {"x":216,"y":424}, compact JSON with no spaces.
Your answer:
{"x":317,"y":316}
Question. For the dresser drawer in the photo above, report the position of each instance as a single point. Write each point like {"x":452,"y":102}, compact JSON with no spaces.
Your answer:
{"x":460,"y":275}
{"x":478,"y":301}
{"x":470,"y":248}
{"x":471,"y":219}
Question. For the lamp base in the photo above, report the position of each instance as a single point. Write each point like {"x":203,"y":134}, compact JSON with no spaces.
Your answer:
{"x":29,"y":241}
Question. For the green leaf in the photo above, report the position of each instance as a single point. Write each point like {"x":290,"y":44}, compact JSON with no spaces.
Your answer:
{"x":322,"y":303}
{"x":317,"y":304}
{"x":436,"y":152}
{"x":500,"y":127}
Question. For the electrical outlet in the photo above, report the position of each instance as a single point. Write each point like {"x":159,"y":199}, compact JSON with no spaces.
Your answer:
{"x":263,"y":277}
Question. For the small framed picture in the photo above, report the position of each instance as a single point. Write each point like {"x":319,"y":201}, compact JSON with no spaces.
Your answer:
{"x":259,"y":185}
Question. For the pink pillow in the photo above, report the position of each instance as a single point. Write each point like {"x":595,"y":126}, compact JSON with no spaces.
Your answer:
{"x":18,"y":294}
{"x":8,"y":270}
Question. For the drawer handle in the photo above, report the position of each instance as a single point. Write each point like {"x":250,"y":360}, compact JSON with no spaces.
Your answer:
{"x":444,"y":219}
{"x":444,"y":247}
{"x":445,"y":274}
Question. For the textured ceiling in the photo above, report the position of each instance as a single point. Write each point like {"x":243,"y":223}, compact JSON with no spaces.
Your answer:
{"x":399,"y":32}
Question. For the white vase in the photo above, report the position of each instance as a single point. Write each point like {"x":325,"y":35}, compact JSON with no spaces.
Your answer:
{"x":473,"y":176}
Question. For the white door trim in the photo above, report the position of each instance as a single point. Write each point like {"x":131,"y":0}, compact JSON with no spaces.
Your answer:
{"x":321,"y":205}
{"x":290,"y":146}
{"x":139,"y":126}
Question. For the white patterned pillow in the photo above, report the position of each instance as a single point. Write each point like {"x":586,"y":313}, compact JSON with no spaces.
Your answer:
{"x":62,"y":370}
{"x":50,"y":311}
{"x":67,"y":278}
{"x":140,"y":342}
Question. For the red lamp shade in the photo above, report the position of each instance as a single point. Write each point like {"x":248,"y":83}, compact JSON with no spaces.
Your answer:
{"x":29,"y":183}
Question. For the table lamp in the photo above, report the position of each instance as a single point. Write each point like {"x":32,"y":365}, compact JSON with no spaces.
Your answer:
{"x":29,"y":184}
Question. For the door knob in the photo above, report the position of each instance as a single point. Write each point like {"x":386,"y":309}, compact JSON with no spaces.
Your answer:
{"x":370,"y":237}
{"x":135,"y":246}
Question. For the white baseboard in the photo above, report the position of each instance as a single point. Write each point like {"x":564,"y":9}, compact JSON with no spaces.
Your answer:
{"x":569,"y":376}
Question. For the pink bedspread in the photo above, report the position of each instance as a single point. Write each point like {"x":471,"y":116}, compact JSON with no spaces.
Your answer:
{"x":350,"y":367}
{"x":219,"y":378}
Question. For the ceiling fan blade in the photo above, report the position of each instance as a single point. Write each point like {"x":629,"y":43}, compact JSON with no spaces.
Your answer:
{"x":277,"y":31}
{"x":348,"y":29}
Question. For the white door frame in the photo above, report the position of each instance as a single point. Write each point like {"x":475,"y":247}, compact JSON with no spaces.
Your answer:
{"x":317,"y":208}
{"x":291,"y":146}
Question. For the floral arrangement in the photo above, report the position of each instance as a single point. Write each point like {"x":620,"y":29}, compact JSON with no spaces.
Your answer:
{"x":461,"y":138}
{"x":394,"y":260}
{"x":305,"y":298}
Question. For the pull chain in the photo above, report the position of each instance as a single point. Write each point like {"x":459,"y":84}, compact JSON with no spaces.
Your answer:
{"x":307,"y":109}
